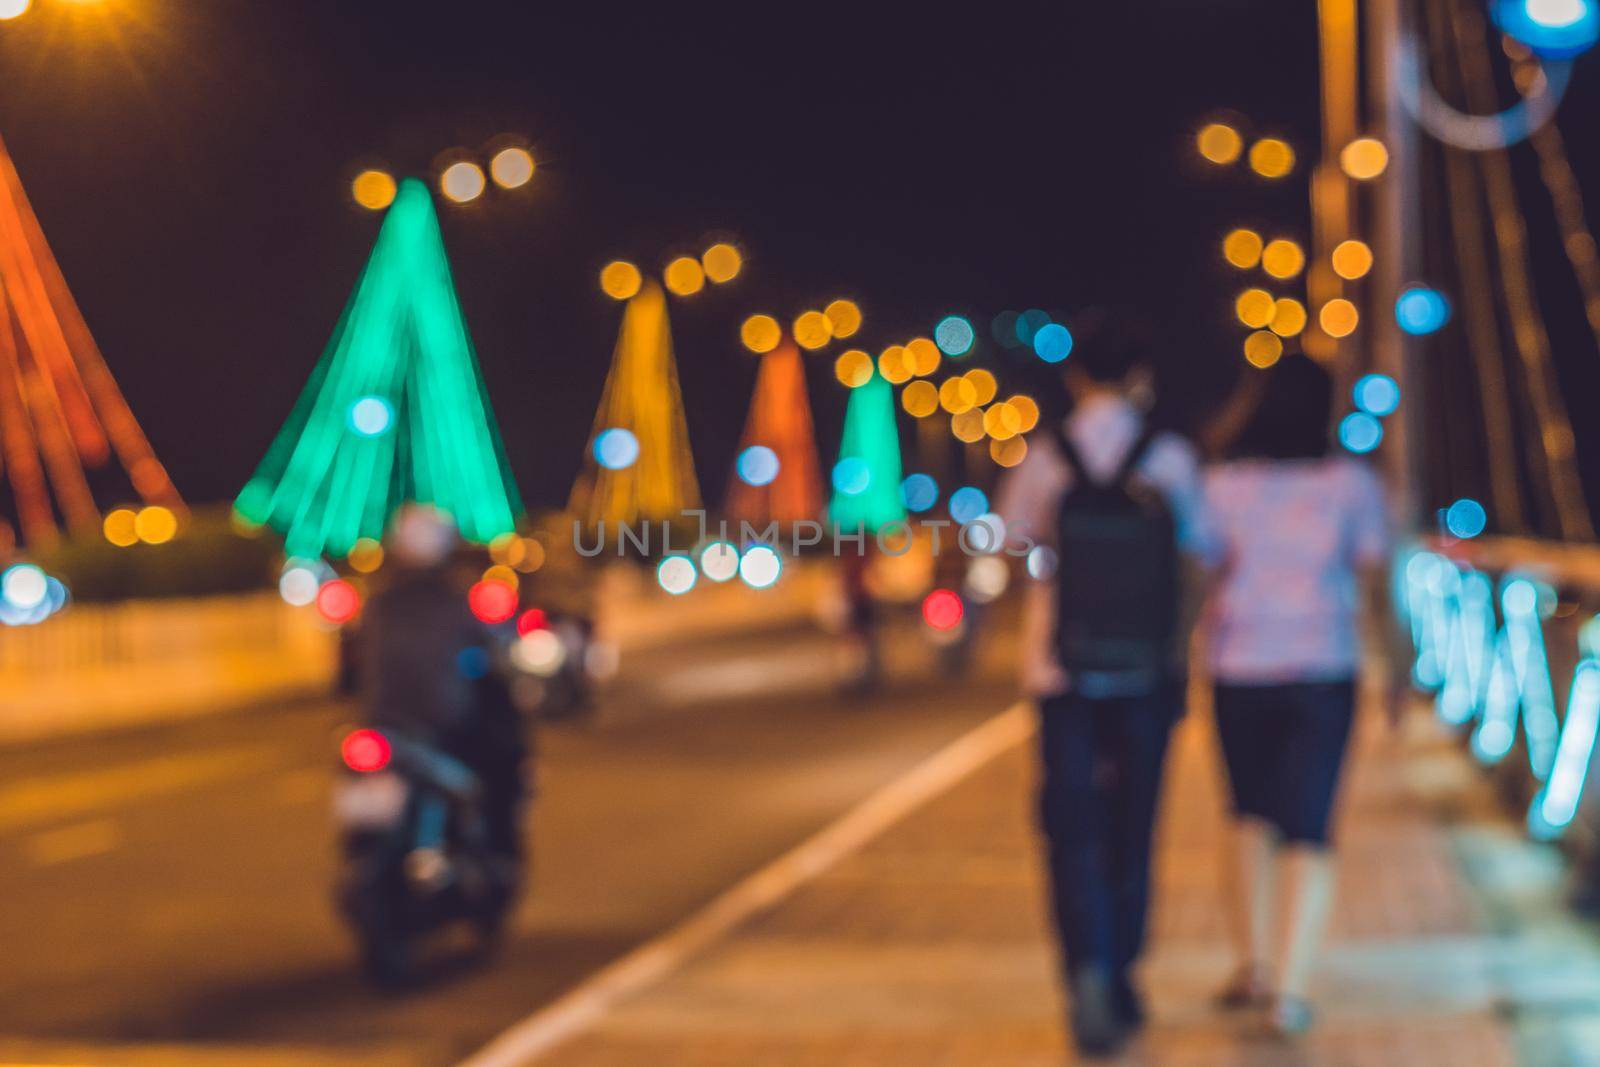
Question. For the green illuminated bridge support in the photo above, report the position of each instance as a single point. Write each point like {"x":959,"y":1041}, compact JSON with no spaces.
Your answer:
{"x":395,"y":410}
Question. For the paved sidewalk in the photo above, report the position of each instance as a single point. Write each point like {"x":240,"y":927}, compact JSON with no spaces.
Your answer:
{"x":930,"y":946}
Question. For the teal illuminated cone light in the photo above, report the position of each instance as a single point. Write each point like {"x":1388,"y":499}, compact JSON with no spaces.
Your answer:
{"x":395,"y":410}
{"x":866,"y":480}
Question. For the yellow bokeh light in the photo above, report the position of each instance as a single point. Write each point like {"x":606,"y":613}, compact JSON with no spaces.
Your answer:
{"x":853,"y":368}
{"x":1288,"y":317}
{"x":722,"y":262}
{"x":373,"y":189}
{"x":968,"y":426}
{"x":511,"y":167}
{"x":532,"y":556}
{"x":984,"y":384}
{"x":895,"y":364}
{"x":1364,"y":158}
{"x":923,"y":356}
{"x":1283,"y":258}
{"x":155,"y":525}
{"x":620,"y":279}
{"x":1002,"y":421}
{"x":760,"y":333}
{"x":812,"y":330}
{"x":366,"y":555}
{"x":1352,"y":259}
{"x":10,"y":9}
{"x":507,"y":548}
{"x":1008,"y":453}
{"x":502,"y":574}
{"x":1219,"y":143}
{"x":1271,"y":158}
{"x":1027,"y":410}
{"x":920,"y":399}
{"x":1254,"y":308}
{"x":462,"y":181}
{"x":684,"y":276}
{"x":119,"y":527}
{"x":957,"y":395}
{"x":1242,"y":248}
{"x":844,"y":317}
{"x":1263,"y":348}
{"x":1339,"y":318}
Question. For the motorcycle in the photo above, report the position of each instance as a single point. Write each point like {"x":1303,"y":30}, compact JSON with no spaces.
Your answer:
{"x":416,"y":849}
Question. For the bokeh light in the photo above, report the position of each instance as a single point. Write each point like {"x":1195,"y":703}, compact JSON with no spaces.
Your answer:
{"x":118,"y":527}
{"x":1242,"y":248}
{"x":1339,"y":317}
{"x":721,"y":262}
{"x":812,"y":330}
{"x":954,"y":335}
{"x":1364,"y":158}
{"x":1010,"y":452}
{"x":853,"y":368}
{"x":957,"y":395}
{"x":684,"y":276}
{"x":1421,"y":310}
{"x":365,"y":751}
{"x":24,"y":586}
{"x":919,"y":492}
{"x":760,"y":566}
{"x":1004,"y":329}
{"x":372,"y":189}
{"x":967,"y":503}
{"x":366,"y":555}
{"x":1028,"y":324}
{"x":719,"y":561}
{"x":1262,"y":349}
{"x":503,"y":574}
{"x":1052,"y":342}
{"x":1219,"y":143}
{"x":844,"y":318}
{"x":1288,"y":317}
{"x":852,"y":476}
{"x":371,"y":416}
{"x":1027,"y":410}
{"x":922,"y":356}
{"x":920,"y":399}
{"x":1352,"y":259}
{"x":676,"y":574}
{"x":1254,"y":307}
{"x":155,"y":524}
{"x":1465,"y":519}
{"x":620,"y":279}
{"x":896,"y":364}
{"x":984,"y":385}
{"x":1002,"y":421}
{"x":760,"y":333}
{"x":1554,"y":29}
{"x":1377,"y":394}
{"x":968,"y":425}
{"x":298,"y":585}
{"x":462,"y":182}
{"x":491,"y":601}
{"x":531,"y":620}
{"x":1360,"y":433}
{"x":1283,"y":258}
{"x":511,"y":167}
{"x":338,"y":602}
{"x":616,"y":449}
{"x":757,"y":465}
{"x":942,"y":609}
{"x":1271,"y":157}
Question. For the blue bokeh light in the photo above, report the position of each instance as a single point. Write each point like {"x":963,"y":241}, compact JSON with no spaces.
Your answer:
{"x":919,"y":492}
{"x":757,"y":465}
{"x":852,"y":476}
{"x":1029,"y":323}
{"x":1421,"y":310}
{"x":1377,"y":394}
{"x":967,"y":503}
{"x":371,"y":416}
{"x":1465,"y":518}
{"x":1052,"y":342}
{"x":1554,"y":29}
{"x":954,"y":336}
{"x":616,"y":449}
{"x":1360,"y":432}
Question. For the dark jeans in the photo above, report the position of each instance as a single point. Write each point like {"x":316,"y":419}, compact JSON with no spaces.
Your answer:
{"x":1102,"y":763}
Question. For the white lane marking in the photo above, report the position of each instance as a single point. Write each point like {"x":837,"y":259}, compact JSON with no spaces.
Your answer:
{"x":654,"y":960}
{"x":75,"y":842}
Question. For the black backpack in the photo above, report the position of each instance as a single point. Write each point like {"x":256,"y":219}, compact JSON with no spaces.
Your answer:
{"x":1117,"y":581}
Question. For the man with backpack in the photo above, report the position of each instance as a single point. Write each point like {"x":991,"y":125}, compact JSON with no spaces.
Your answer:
{"x":1117,"y":511}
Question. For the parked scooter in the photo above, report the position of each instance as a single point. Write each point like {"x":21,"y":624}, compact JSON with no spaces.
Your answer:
{"x":417,"y":851}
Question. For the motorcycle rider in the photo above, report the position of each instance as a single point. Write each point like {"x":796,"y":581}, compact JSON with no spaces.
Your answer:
{"x":428,"y":669}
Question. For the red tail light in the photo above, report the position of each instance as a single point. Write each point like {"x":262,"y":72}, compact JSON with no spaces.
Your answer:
{"x":365,"y":751}
{"x":942,"y":609}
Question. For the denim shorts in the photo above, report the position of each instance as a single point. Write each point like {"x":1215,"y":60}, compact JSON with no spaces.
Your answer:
{"x":1284,"y":746}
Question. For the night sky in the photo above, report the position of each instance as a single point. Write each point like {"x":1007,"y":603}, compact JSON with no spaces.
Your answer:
{"x":190,"y":163}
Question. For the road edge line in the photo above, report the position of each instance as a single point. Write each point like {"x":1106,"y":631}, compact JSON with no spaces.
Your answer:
{"x":649,"y":963}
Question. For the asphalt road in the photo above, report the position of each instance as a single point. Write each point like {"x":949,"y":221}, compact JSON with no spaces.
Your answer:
{"x":166,"y":892}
